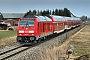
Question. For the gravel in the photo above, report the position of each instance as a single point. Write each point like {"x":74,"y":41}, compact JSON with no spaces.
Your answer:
{"x":9,"y":47}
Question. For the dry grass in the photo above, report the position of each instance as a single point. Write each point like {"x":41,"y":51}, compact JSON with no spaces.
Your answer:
{"x":7,"y":41}
{"x":81,"y":42}
{"x":7,"y":37}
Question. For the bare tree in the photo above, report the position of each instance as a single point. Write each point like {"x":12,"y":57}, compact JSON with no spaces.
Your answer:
{"x":83,"y":18}
{"x":1,"y":16}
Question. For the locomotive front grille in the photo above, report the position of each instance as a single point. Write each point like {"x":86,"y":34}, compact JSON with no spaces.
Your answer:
{"x":26,"y":38}
{"x":19,"y":38}
{"x":32,"y":38}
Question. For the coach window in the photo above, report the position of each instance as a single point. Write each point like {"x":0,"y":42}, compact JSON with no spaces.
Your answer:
{"x":43,"y":27}
{"x":55,"y":24}
{"x":48,"y":26}
{"x":38,"y":24}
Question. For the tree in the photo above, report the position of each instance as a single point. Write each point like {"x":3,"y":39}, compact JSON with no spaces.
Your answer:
{"x":34,"y":12}
{"x":67,"y":12}
{"x":43,"y":13}
{"x":83,"y":18}
{"x":40,"y":13}
{"x":61,"y":12}
{"x":53,"y":13}
{"x":30,"y":13}
{"x":47,"y":12}
{"x":1,"y":16}
{"x":56,"y":12}
{"x":50,"y":12}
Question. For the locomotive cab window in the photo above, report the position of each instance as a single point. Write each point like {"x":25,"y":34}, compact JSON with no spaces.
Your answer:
{"x":26,"y":22}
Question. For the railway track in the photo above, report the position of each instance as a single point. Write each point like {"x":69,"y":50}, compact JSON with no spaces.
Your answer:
{"x":12,"y":52}
{"x":16,"y":50}
{"x":19,"y":49}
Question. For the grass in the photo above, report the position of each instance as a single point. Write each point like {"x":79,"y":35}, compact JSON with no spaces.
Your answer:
{"x":7,"y":38}
{"x":81,"y":42}
{"x":5,"y":34}
{"x":81,"y":48}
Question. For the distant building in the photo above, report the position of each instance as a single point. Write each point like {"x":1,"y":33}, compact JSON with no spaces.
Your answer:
{"x":7,"y":16}
{"x":12,"y":18}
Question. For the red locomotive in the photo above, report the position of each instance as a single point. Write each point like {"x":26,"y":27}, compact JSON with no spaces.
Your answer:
{"x":32,"y":29}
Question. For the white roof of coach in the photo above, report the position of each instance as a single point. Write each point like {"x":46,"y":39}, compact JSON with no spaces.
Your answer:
{"x":43,"y":18}
{"x":58,"y":18}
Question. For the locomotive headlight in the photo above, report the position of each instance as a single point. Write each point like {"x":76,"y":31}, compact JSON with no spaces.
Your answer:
{"x":21,"y":31}
{"x":31,"y":38}
{"x":20,"y":34}
{"x":26,"y":28}
{"x":31,"y":31}
{"x":32,"y":34}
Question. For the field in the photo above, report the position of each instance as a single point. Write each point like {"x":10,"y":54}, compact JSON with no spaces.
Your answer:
{"x":5,"y":34}
{"x":81,"y":42}
{"x":7,"y":37}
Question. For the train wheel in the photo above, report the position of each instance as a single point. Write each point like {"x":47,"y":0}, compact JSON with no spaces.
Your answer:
{"x":39,"y":40}
{"x":35,"y":42}
{"x":45,"y":38}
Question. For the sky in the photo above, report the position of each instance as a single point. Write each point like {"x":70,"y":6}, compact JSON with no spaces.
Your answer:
{"x":77,"y":7}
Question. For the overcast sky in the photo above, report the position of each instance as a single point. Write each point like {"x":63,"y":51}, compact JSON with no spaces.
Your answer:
{"x":77,"y":7}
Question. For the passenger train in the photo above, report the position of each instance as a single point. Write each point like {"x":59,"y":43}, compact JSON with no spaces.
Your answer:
{"x":33,"y":29}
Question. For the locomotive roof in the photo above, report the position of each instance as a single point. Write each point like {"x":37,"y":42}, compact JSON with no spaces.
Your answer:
{"x":41,"y":18}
